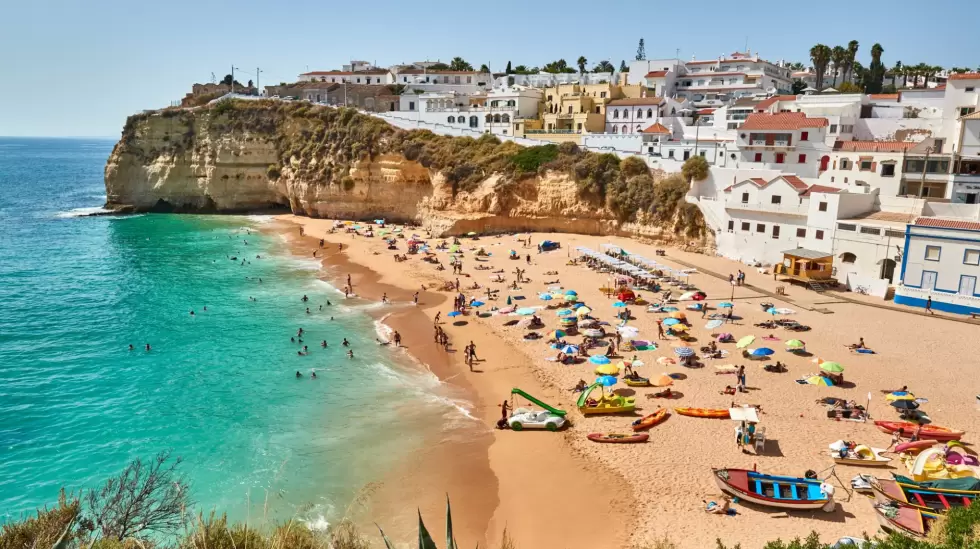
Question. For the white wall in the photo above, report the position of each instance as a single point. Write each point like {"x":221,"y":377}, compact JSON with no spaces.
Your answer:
{"x":408,"y":121}
{"x":889,"y":129}
{"x":950,"y":265}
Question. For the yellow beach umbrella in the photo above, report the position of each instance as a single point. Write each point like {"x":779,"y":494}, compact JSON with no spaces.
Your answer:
{"x":892,"y":397}
{"x":607,"y":370}
{"x":678,"y":315}
{"x":583,"y":311}
{"x":679,"y":328}
{"x":745,"y":342}
{"x":664,"y":381}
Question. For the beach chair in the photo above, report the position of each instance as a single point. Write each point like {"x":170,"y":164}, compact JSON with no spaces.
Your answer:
{"x":760,"y":440}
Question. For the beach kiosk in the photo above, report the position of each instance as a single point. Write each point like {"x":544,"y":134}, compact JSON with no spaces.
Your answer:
{"x":806,"y":266}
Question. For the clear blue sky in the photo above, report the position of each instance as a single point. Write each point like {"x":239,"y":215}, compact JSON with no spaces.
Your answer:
{"x":79,"y":67}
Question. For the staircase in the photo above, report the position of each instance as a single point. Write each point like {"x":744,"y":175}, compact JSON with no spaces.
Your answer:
{"x":816,"y":286}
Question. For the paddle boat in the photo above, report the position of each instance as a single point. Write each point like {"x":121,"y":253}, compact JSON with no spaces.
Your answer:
{"x":904,"y":519}
{"x":618,"y":438}
{"x":936,"y":495}
{"x":714,"y":413}
{"x":860,"y":455}
{"x":775,"y":491}
{"x":934,"y":432}
{"x":651,"y":420}
{"x":930,"y":464}
{"x":606,"y":404}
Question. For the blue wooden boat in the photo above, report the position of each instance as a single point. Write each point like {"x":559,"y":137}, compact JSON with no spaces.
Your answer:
{"x":775,"y":491}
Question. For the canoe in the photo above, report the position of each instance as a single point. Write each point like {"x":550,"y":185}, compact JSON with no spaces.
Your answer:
{"x":774,"y":491}
{"x":934,"y":432}
{"x":649,"y":421}
{"x":618,"y":438}
{"x":714,"y":413}
{"x":931,"y":496}
{"x":904,"y":519}
{"x":871,"y":457}
{"x":917,"y":445}
{"x":637,"y":382}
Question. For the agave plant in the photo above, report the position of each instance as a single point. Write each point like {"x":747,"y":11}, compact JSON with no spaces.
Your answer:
{"x":425,"y":540}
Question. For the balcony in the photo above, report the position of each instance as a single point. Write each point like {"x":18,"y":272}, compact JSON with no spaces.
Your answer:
{"x":784,"y":209}
{"x":964,"y":178}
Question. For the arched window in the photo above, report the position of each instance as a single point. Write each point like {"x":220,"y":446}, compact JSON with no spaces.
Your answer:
{"x":624,"y":128}
{"x":615,"y":129}
{"x":615,"y":113}
{"x":452,"y":119}
{"x":649,"y":113}
{"x":474,"y":121}
{"x":511,"y":103}
{"x":639,"y":128}
{"x":489,"y":118}
{"x":505,"y":118}
{"x":847,"y":257}
{"x":496,"y":118}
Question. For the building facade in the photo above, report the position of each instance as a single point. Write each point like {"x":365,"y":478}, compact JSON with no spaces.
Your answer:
{"x":942,"y":263}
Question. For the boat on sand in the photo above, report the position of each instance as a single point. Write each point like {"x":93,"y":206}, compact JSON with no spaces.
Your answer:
{"x":714,"y":413}
{"x":605,"y":404}
{"x":649,"y":421}
{"x":936,"y":495}
{"x":859,"y":455}
{"x":904,"y":519}
{"x":775,"y":491}
{"x":618,"y":438}
{"x":934,"y":432}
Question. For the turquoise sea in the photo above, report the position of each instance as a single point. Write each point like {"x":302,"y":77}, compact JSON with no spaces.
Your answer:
{"x":218,"y":387}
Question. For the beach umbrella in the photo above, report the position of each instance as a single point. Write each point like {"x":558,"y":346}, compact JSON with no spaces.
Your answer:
{"x":663,"y":381}
{"x":905,"y":405}
{"x":454,"y":249}
{"x":569,"y":349}
{"x":761,"y":351}
{"x":606,"y":381}
{"x":471,"y":233}
{"x":687,"y":295}
{"x":571,"y":292}
{"x":726,"y":305}
{"x":664,"y":360}
{"x":819,"y":380}
{"x":453,"y":314}
{"x":773,"y":311}
{"x":634,"y":363}
{"x":678,"y":315}
{"x":592,"y":332}
{"x":712,"y":324}
{"x":683,"y":351}
{"x":564,"y":312}
{"x":558,"y":334}
{"x":795,"y":344}
{"x":786,"y":311}
{"x":525,"y":311}
{"x":570,"y":298}
{"x":477,"y":303}
{"x":619,"y":304}
{"x":599,"y":359}
{"x":899,"y":395}
{"x":607,"y":370}
{"x":545,"y":297}
{"x":578,"y":305}
{"x":671,"y":322}
{"x":587,"y":323}
{"x":669,"y":310}
{"x":745,"y":342}
{"x":679,"y":328}
{"x":582,"y":311}
{"x":832,"y":367}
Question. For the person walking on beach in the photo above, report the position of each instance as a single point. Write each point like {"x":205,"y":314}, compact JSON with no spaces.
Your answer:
{"x":741,"y":378}
{"x":731,"y":279}
{"x":398,"y":338}
{"x":504,"y":415}
{"x":473,"y":350}
{"x":384,"y":297}
{"x":348,"y":281}
{"x":660,"y":329}
{"x":415,"y":299}
{"x":929,"y":305}
{"x":436,"y":319}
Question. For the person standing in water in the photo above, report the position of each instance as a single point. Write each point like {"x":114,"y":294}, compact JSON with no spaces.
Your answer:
{"x":397,"y":337}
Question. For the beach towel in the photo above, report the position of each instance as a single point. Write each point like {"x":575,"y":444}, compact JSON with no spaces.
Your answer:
{"x":864,"y":351}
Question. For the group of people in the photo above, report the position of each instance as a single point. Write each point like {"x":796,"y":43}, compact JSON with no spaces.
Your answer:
{"x":737,"y":279}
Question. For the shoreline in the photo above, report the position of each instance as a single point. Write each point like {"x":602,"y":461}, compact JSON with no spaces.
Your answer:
{"x":496,"y":480}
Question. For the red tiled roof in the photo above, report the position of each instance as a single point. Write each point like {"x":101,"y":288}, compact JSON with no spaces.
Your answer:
{"x":782,"y":121}
{"x":794,"y":182}
{"x":656,"y":74}
{"x":940,"y":223}
{"x":894,"y":96}
{"x":758,"y":181}
{"x":873,"y":146}
{"x":657,"y":128}
{"x":706,"y":111}
{"x":631,"y":101}
{"x":965,"y":76}
{"x":765,"y":104}
{"x":701,"y":62}
{"x":820,"y":189}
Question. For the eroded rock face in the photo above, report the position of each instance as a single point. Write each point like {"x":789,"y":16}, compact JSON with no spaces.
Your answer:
{"x":184,"y":163}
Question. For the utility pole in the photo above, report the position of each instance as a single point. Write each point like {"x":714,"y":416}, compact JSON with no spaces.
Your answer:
{"x":233,"y":77}
{"x":258,"y":89}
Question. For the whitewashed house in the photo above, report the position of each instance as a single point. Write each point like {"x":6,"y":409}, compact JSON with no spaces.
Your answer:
{"x":942,"y":262}
{"x":372,"y":77}
{"x":789,"y":141}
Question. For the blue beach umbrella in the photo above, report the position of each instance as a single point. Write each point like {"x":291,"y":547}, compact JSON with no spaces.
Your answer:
{"x":571,"y":292}
{"x":525,"y":311}
{"x":671,"y":321}
{"x":598,"y":360}
{"x":577,"y":305}
{"x":683,"y":351}
{"x":606,"y":381}
{"x":454,"y":313}
{"x":477,"y":304}
{"x":564,"y":312}
{"x":545,"y":297}
{"x":569,"y":349}
{"x":772,"y":311}
{"x":726,"y":305}
{"x":761,"y":351}
{"x":619,"y":304}
{"x":712,"y":324}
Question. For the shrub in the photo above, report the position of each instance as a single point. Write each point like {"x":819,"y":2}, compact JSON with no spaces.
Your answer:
{"x":627,"y":198}
{"x":530,"y":159}
{"x":695,"y":168}
{"x":347,"y":183}
{"x":224,"y":106}
{"x":594,"y":172}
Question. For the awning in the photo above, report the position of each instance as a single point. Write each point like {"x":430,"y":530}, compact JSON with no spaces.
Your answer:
{"x":804,"y":253}
{"x":744,"y":413}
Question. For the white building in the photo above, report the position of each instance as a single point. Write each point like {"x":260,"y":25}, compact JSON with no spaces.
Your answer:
{"x":633,"y":115}
{"x":941,"y":262}
{"x":462,"y":82}
{"x":789,"y":141}
{"x":492,"y":111}
{"x":372,"y":76}
{"x":550,"y":80}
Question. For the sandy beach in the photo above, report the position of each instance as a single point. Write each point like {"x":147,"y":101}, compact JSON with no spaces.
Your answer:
{"x":536,"y":484}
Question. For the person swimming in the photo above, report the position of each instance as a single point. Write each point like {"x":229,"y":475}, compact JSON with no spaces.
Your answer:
{"x":313,"y":374}
{"x":307,"y":310}
{"x":350,"y":354}
{"x":346,"y":343}
{"x":305,"y":349}
{"x":305,"y":299}
{"x":323,"y":344}
{"x":298,"y":375}
{"x":131,"y":348}
{"x":328,"y":303}
{"x":299,"y":332}
{"x":192,"y":313}
{"x":292,"y":340}
{"x":147,"y":346}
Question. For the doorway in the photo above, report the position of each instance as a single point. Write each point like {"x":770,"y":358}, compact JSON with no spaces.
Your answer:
{"x":887,"y":270}
{"x":928,"y":280}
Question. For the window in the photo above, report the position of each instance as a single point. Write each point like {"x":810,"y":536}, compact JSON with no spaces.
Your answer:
{"x":804,"y":136}
{"x":845,"y":164}
{"x":703,"y":154}
{"x":469,"y":79}
{"x":865,"y":165}
{"x":833,"y":128}
{"x":780,"y":158}
{"x":800,"y":233}
{"x":451,"y":120}
{"x":746,"y":226}
{"x":847,"y":257}
{"x":894,"y":234}
{"x":615,"y":129}
{"x":846,"y":227}
{"x":615,"y":113}
{"x":775,"y":231}
{"x":966,"y":110}
{"x":822,"y":206}
{"x":969,"y":88}
{"x":569,"y":109}
{"x":731,"y":226}
{"x":760,"y":227}
{"x":602,"y":94}
{"x":971,"y":257}
{"x":758,"y":157}
{"x":358,"y":80}
{"x":888,"y":170}
{"x":489,"y":118}
{"x":411,"y":105}
{"x":847,"y":128}
{"x":649,"y":113}
{"x":776,"y":199}
{"x":819,"y":235}
{"x":871,"y":230}
{"x":670,"y":153}
{"x":745,"y":198}
{"x":625,"y":131}
{"x":687,"y":154}
{"x":802,"y":159}
{"x":932,"y":253}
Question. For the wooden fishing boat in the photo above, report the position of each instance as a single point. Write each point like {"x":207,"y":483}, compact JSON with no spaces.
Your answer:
{"x":649,"y":421}
{"x":618,"y":438}
{"x":774,"y":491}
{"x":905,"y":519}
{"x":933,"y":432}
{"x":862,"y":456}
{"x":637,"y":381}
{"x":715,"y":413}
{"x":931,"y":496}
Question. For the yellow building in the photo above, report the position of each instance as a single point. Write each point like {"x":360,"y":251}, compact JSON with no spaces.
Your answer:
{"x":568,"y":111}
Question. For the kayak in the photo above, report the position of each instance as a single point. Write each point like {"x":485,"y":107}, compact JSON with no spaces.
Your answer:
{"x":637,"y":381}
{"x":934,"y":432}
{"x":618,"y":437}
{"x":917,"y":445}
{"x":714,"y":413}
{"x":650,"y":420}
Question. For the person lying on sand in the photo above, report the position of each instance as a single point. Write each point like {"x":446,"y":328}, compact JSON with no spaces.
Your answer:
{"x":729,"y":390}
{"x":723,"y":508}
{"x":858,"y":345}
{"x":580,"y":386}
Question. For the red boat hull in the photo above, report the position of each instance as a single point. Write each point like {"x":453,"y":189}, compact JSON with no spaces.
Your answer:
{"x":931,"y":432}
{"x":618,"y":439}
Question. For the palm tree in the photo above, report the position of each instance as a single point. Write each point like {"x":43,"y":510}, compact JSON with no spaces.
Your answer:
{"x":797,"y":66}
{"x":838,"y":58}
{"x":458,"y":64}
{"x":958,"y":70}
{"x":604,"y":66}
{"x":581,"y":64}
{"x":820,"y":56}
{"x":896,"y":70}
{"x":852,"y":49}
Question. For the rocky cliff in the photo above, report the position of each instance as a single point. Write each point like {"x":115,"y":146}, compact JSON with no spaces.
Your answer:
{"x":272,"y":156}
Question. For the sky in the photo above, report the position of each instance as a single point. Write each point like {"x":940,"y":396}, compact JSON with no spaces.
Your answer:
{"x":79,"y":67}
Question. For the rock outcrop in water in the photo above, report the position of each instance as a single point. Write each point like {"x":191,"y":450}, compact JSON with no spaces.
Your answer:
{"x":259,"y":156}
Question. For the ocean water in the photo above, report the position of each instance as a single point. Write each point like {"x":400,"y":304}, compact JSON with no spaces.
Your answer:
{"x":217,"y":388}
